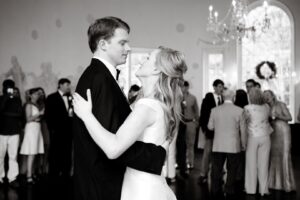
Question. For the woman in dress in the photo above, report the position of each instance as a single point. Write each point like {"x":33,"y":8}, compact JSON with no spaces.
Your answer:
{"x":258,"y":143}
{"x":281,"y":174}
{"x":33,"y":141}
{"x":154,"y":119}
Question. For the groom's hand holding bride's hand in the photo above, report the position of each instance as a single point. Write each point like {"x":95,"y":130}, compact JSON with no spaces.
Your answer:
{"x":82,"y":108}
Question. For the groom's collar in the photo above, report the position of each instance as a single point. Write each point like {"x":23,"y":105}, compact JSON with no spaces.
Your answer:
{"x":109,"y":66}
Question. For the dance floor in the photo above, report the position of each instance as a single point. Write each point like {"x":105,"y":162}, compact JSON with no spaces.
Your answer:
{"x":185,"y":189}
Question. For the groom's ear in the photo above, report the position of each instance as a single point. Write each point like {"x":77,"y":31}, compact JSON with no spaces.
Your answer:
{"x":102,"y":44}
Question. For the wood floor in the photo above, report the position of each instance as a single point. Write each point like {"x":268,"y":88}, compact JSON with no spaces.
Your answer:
{"x":185,"y":189}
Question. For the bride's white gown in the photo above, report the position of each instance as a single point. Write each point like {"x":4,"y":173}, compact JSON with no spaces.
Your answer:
{"x":138,"y":185}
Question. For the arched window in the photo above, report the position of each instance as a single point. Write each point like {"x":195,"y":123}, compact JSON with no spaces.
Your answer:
{"x":275,"y":45}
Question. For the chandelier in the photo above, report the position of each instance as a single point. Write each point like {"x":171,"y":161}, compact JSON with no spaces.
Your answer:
{"x":234,"y":25}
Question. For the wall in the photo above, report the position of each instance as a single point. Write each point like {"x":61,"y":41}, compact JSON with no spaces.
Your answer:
{"x":49,"y":37}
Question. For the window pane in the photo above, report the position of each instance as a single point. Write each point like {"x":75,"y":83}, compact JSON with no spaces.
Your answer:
{"x":273,"y":46}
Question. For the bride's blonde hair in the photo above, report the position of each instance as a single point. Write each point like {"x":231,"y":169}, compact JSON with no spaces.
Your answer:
{"x":168,"y":88}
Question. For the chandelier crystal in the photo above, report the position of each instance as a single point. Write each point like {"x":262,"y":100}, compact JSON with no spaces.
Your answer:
{"x":234,"y":25}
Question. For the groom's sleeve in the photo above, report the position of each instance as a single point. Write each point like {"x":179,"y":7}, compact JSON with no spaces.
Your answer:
{"x":141,"y":156}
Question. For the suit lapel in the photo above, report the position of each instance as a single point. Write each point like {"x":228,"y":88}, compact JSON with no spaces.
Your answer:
{"x":212,"y":100}
{"x":61,"y":102}
{"x":115,"y":83}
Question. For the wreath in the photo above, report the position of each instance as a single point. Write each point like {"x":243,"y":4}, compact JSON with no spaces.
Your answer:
{"x":262,"y":74}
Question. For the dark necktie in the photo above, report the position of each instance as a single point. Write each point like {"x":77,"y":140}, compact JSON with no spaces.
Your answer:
{"x":118,"y":73}
{"x":219,"y":100}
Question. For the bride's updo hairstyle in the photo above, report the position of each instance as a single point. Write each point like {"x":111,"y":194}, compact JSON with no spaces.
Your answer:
{"x":168,"y":88}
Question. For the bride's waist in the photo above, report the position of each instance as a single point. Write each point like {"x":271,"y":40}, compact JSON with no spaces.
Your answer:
{"x":140,"y":175}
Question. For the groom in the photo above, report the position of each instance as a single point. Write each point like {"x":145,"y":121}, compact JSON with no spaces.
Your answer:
{"x":95,"y":176}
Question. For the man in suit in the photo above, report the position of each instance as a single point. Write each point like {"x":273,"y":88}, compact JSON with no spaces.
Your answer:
{"x":59,"y":113}
{"x":210,"y":101}
{"x":228,"y":125}
{"x":95,"y":176}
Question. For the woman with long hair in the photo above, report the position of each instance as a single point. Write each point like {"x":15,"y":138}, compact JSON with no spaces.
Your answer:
{"x":154,"y":119}
{"x":281,"y":173}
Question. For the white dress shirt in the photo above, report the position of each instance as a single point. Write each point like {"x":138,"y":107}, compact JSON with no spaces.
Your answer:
{"x":216,"y":96}
{"x":65,"y":98}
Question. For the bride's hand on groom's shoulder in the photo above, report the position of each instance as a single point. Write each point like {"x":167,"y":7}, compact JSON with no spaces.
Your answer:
{"x":82,"y":108}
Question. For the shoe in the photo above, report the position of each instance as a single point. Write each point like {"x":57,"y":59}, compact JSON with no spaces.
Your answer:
{"x":14,"y":184}
{"x":30,"y":181}
{"x":202,"y":180}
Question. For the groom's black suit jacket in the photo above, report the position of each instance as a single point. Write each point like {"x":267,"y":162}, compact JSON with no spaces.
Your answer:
{"x":95,"y":176}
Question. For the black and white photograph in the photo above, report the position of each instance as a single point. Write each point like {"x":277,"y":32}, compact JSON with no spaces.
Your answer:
{"x":149,"y":100}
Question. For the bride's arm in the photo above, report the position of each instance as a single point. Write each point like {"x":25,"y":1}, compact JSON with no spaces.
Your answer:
{"x":114,"y":145}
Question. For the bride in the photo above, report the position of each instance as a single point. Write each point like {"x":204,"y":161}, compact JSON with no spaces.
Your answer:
{"x":154,"y":120}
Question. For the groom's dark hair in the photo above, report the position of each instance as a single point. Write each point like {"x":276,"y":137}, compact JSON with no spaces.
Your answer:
{"x":104,"y":28}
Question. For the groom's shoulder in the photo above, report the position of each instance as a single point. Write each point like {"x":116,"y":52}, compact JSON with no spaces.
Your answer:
{"x":96,"y":68}
{"x":94,"y":73}
{"x":53,"y":95}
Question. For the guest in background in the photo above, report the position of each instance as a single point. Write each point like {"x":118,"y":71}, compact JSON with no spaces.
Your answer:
{"x":250,"y":83}
{"x":133,"y":93}
{"x":210,"y":101}
{"x":191,"y":118}
{"x":33,"y":140}
{"x":241,"y":100}
{"x":181,"y":147}
{"x":228,"y":125}
{"x":281,"y":173}
{"x":258,"y":143}
{"x":59,"y":113}
{"x":257,"y":85}
{"x":10,"y":129}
